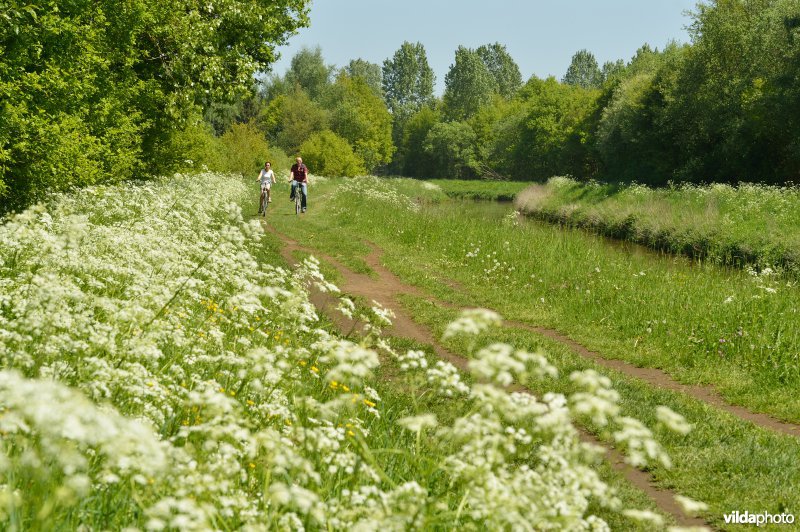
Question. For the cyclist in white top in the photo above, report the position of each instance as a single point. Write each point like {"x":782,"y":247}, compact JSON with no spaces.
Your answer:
{"x":266,"y":177}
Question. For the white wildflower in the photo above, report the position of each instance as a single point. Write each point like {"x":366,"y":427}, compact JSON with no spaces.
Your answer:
{"x":672,"y":420}
{"x":418,"y":423}
{"x":690,"y":506}
{"x":472,"y":321}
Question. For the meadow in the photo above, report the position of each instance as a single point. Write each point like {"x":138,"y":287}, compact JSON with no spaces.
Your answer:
{"x":733,"y":330}
{"x":744,"y":225}
{"x":164,"y":368}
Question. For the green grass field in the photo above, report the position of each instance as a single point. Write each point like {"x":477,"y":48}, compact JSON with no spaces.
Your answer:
{"x":701,"y":323}
{"x":749,"y":225}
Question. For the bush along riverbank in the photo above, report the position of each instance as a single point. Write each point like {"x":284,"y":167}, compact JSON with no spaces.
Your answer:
{"x":751,"y":226}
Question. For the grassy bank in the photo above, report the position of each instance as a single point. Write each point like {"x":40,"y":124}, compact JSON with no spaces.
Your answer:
{"x":749,"y":225}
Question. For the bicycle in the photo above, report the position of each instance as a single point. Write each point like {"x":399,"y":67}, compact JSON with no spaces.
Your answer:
{"x":298,"y":197}
{"x":263,"y":203}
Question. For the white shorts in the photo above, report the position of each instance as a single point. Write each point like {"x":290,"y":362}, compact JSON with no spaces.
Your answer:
{"x":266,"y":185}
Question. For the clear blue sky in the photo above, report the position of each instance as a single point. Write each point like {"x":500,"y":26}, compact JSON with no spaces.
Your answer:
{"x":540,"y":35}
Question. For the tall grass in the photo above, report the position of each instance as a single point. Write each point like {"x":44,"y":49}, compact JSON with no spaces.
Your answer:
{"x":751,"y":225}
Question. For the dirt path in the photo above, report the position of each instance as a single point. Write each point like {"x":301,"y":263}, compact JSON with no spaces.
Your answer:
{"x":386,"y":287}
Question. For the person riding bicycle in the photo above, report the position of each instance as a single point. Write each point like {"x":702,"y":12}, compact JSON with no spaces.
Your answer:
{"x":299,"y":179}
{"x":266,"y":177}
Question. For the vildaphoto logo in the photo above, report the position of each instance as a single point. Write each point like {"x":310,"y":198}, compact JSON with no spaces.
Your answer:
{"x":763,"y":518}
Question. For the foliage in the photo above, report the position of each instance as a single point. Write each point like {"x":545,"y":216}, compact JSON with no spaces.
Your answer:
{"x":326,"y":153}
{"x":497,"y":128}
{"x":502,"y":67}
{"x":469,"y":85}
{"x":92,"y":92}
{"x":290,"y":119}
{"x":309,"y":72}
{"x":412,"y":157}
{"x":243,"y":150}
{"x":550,"y":138}
{"x":583,"y":71}
{"x":371,"y":73}
{"x":360,"y":116}
{"x":407,"y":79}
{"x":451,"y":147}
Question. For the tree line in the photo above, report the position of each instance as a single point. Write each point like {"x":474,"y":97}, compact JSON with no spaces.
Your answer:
{"x":724,"y":108}
{"x":143,"y":91}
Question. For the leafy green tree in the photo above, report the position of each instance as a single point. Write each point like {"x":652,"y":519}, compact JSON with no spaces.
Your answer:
{"x":360,"y":117}
{"x":326,"y":153}
{"x":371,"y":73}
{"x":243,"y":150}
{"x":635,"y":139}
{"x":551,"y":138}
{"x":408,"y":79}
{"x":505,"y":71}
{"x":414,"y":160}
{"x":497,"y":128}
{"x":612,"y":70}
{"x":468,"y":85}
{"x":451,"y":147}
{"x":290,"y":119}
{"x":583,"y":71}
{"x":737,"y":92}
{"x":309,"y":71}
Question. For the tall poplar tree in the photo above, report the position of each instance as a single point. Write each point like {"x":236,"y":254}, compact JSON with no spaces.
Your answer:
{"x":408,"y":79}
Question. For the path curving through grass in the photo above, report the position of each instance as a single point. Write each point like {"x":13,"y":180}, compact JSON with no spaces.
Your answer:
{"x":384,"y":288}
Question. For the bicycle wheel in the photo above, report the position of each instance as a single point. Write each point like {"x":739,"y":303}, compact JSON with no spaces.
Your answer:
{"x":262,"y":207}
{"x":298,"y":195}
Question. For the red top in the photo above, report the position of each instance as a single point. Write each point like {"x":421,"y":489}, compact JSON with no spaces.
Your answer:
{"x":300,"y":172}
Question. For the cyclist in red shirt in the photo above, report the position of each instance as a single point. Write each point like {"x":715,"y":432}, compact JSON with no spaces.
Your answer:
{"x":299,"y":179}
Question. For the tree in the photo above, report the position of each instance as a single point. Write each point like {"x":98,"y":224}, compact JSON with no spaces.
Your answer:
{"x":413,"y":159}
{"x":290,"y":119}
{"x":502,"y":67}
{"x":612,"y":70}
{"x":497,"y":128}
{"x":550,"y":140}
{"x":583,"y":71}
{"x":360,"y":117}
{"x":309,"y":71}
{"x":468,"y":85}
{"x":328,"y":154}
{"x":408,"y":80}
{"x":369,"y":72}
{"x":451,"y":146}
{"x":93,"y":91}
